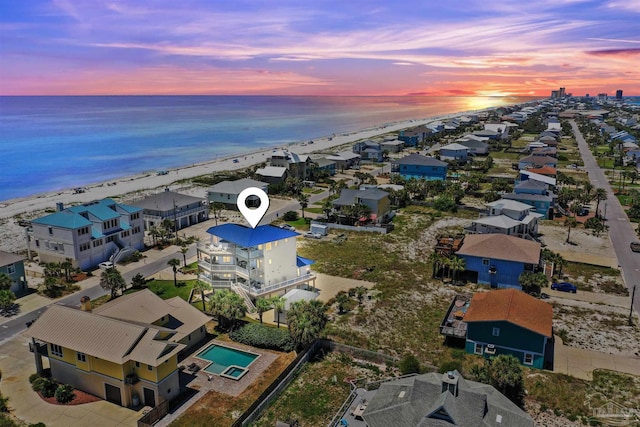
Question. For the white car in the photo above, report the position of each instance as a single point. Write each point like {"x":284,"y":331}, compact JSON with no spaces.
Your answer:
{"x":312,"y":235}
{"x":105,"y":265}
{"x":288,"y":227}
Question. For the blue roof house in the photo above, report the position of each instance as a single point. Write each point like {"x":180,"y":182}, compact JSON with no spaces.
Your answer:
{"x":420,"y":167}
{"x":89,"y":234}
{"x":498,"y":259}
{"x":255,"y":262}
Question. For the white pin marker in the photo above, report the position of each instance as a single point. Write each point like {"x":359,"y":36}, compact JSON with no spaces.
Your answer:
{"x":253,"y":215}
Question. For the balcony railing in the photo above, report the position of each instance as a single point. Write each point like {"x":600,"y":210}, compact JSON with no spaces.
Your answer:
{"x":207,"y":248}
{"x":246,"y":254}
{"x":217,"y":267}
{"x":258,"y":291}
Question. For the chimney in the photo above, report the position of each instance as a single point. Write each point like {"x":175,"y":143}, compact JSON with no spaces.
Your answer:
{"x":85,"y":303}
{"x":59,"y":207}
{"x":450,"y":382}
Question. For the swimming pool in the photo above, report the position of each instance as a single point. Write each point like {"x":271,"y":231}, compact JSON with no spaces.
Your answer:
{"x":226,"y":361}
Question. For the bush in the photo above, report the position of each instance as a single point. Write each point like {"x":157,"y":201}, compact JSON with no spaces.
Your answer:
{"x":4,"y":403}
{"x":409,"y":365}
{"x":34,"y":377}
{"x":46,"y":386}
{"x":290,"y":216}
{"x":64,"y":393}
{"x":445,"y":204}
{"x":262,"y":336}
{"x":450,"y":365}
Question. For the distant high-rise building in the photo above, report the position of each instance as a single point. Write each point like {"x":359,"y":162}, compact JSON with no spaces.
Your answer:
{"x":555,"y":93}
{"x":562,"y":94}
{"x":586,"y":95}
{"x":602,"y":96}
{"x":619,"y":94}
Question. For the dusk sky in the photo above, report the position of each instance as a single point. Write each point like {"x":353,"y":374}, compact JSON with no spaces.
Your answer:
{"x":468,"y":47}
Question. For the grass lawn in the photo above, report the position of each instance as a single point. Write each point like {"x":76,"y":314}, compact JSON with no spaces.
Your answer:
{"x":299,"y":224}
{"x":314,"y":210}
{"x":312,"y":190}
{"x":165,"y":288}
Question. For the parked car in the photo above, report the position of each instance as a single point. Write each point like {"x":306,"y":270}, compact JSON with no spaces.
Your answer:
{"x":236,"y":161}
{"x":312,"y":235}
{"x":635,"y":246}
{"x":288,"y":227}
{"x":105,"y":265}
{"x":564,"y":287}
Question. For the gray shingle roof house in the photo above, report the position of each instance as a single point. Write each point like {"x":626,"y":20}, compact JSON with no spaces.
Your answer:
{"x":441,"y":400}
{"x":182,"y":209}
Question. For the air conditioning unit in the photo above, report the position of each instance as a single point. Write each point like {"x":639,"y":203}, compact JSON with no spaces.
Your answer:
{"x":491,"y":349}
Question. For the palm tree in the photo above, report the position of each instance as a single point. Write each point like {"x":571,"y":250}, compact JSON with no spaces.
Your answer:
{"x":278,"y":306}
{"x":184,"y":249}
{"x":67,"y":265}
{"x":174,"y":263}
{"x":303,"y":199}
{"x":154,"y":232}
{"x":457,"y":265}
{"x":217,"y":207}
{"x":343,"y":300}
{"x":200,"y":286}
{"x":575,"y":208}
{"x":434,"y":259}
{"x":361,"y":291}
{"x":216,"y":304}
{"x":305,"y":321}
{"x":234,"y":308}
{"x":570,"y":222}
{"x":263,"y":305}
{"x":600,"y":195}
{"x":5,"y":282}
{"x":112,"y":280}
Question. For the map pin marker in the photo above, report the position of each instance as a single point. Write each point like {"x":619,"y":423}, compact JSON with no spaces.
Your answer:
{"x":253,"y":215}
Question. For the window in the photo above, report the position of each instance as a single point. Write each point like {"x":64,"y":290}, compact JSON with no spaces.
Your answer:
{"x":485,"y":261}
{"x":496,"y":332}
{"x":11,"y":268}
{"x":137,"y":364}
{"x":268,"y":246}
{"x":85,"y":246}
{"x":478,"y":349}
{"x":81,"y":357}
{"x":97,"y":243}
{"x":528,"y":359}
{"x":149,"y":368}
{"x":56,"y":350}
{"x":37,"y":243}
{"x":50,"y":230}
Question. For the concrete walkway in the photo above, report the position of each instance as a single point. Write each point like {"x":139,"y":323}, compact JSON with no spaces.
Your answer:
{"x":580,"y":363}
{"x":593,"y":297}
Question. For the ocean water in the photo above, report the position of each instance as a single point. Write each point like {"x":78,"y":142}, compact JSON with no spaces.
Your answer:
{"x":53,"y":143}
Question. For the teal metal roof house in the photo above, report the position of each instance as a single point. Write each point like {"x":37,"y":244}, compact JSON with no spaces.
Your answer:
{"x":508,"y":321}
{"x":13,"y":266}
{"x":88,"y":234}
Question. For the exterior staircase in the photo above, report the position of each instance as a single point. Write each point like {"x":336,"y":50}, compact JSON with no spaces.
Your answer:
{"x":251,"y":308}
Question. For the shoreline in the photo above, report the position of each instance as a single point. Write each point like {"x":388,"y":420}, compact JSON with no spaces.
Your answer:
{"x":149,"y":180}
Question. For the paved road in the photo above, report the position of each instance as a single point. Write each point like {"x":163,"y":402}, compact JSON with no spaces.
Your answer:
{"x":15,"y":326}
{"x":621,"y":231}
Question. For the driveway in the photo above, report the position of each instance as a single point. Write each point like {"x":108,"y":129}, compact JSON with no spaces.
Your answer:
{"x":621,"y":232}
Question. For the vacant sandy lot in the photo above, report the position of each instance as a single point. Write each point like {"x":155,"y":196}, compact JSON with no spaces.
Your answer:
{"x":584,"y":246}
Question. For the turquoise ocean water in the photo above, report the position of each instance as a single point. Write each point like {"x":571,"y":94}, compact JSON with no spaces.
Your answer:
{"x":53,"y":143}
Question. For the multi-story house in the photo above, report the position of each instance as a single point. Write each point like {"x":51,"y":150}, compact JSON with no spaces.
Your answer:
{"x":181,"y":209}
{"x":13,"y":266}
{"x":377,"y":200}
{"x":420,"y":167}
{"x":254,"y":262}
{"x":508,"y":217}
{"x":537,"y":161}
{"x":298,"y":165}
{"x":454,"y":152}
{"x":88,"y":234}
{"x":124,"y":351}
{"x":368,"y":150}
{"x":226,"y":192}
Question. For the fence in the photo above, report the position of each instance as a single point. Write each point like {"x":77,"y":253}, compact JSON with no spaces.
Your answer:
{"x":155,"y":414}
{"x":382,"y":230}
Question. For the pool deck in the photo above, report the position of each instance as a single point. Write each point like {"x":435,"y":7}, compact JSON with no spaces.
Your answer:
{"x":205,"y":381}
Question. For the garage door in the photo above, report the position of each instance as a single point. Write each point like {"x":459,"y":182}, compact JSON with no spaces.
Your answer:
{"x":113,"y":394}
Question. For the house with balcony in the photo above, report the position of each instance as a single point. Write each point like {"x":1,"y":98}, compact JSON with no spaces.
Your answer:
{"x":297,"y":165}
{"x":368,"y":150}
{"x":497,"y":259}
{"x":123,"y":351}
{"x":375,"y":199}
{"x":13,"y":266}
{"x":508,"y":321}
{"x":324,"y":165}
{"x":454,"y":152}
{"x":392,"y":146}
{"x":508,"y":217}
{"x":477,"y":145}
{"x":226,"y":192}
{"x":181,"y":209}
{"x":273,"y":174}
{"x":88,"y":234}
{"x":344,"y":160}
{"x":255,"y":262}
{"x":420,"y":167}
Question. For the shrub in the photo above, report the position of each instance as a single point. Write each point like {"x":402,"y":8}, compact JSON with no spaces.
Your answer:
{"x":64,"y":393}
{"x":445,"y":204}
{"x":46,"y":386}
{"x":4,"y":404}
{"x":34,"y":377}
{"x":290,"y":216}
{"x":409,"y":365}
{"x":262,"y":336}
{"x":450,"y":365}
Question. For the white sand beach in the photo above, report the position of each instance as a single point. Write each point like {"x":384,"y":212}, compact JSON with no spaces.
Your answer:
{"x":150,"y":181}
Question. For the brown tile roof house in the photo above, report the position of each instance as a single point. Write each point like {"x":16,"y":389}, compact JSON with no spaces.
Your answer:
{"x":513,"y":306}
{"x":500,"y":246}
{"x":127,"y":347}
{"x":546,"y":170}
